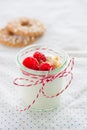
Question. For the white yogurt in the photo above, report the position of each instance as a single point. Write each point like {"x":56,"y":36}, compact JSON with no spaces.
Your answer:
{"x":28,"y":94}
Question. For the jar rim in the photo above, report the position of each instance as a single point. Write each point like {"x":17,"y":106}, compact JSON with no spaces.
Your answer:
{"x":37,"y":72}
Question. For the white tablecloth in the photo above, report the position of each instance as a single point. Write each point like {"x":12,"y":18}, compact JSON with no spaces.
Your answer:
{"x":66,"y":23}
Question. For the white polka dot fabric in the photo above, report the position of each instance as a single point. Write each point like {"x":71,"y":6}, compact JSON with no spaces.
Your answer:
{"x":66,"y":23}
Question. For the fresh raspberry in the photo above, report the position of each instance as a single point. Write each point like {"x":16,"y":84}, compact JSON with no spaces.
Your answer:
{"x":39,"y":56}
{"x":46,"y":66}
{"x":31,"y":63}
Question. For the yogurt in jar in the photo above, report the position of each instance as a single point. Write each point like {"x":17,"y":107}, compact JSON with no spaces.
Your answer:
{"x":34,"y":92}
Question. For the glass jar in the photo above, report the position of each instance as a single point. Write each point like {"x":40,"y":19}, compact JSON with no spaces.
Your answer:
{"x":29,"y":93}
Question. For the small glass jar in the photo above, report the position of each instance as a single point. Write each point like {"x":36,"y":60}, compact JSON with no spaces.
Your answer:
{"x":28,"y":94}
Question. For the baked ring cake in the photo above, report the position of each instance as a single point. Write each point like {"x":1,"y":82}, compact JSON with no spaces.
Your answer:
{"x":26,"y":27}
{"x":8,"y":38}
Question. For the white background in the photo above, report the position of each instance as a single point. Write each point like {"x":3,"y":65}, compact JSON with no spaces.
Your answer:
{"x":66,"y":27}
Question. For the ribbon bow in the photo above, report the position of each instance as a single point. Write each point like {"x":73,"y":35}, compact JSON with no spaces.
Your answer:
{"x":43,"y":80}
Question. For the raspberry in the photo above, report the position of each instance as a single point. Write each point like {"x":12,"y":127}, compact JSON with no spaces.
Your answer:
{"x":39,"y":56}
{"x":31,"y":63}
{"x":46,"y":66}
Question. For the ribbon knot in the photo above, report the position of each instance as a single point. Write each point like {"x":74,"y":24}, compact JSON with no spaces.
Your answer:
{"x":45,"y":79}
